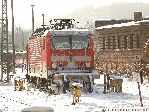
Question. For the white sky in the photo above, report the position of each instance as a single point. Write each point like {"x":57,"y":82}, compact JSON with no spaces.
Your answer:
{"x":23,"y":10}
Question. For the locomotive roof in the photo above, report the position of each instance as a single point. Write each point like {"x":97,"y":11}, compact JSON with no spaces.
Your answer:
{"x":67,"y":32}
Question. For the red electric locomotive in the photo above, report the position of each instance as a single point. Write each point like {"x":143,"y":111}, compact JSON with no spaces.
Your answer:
{"x":61,"y":55}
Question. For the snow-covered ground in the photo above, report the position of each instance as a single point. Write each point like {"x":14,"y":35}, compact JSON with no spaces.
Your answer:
{"x":15,"y":101}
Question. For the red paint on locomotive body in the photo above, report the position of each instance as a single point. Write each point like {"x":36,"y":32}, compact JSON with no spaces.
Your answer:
{"x":60,"y":51}
{"x":66,"y":53}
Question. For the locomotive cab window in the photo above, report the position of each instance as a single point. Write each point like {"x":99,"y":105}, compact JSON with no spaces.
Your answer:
{"x":60,"y":42}
{"x":80,"y":42}
{"x":70,"y":42}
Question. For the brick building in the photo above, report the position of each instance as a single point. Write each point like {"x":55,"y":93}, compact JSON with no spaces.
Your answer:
{"x":121,"y":45}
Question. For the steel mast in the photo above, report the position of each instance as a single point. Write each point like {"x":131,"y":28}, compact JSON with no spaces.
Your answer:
{"x":4,"y":42}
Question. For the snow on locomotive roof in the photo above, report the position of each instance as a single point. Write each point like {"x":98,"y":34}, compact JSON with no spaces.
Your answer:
{"x":67,"y":32}
{"x":132,"y":23}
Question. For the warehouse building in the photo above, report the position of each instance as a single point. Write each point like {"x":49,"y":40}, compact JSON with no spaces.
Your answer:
{"x":121,"y":44}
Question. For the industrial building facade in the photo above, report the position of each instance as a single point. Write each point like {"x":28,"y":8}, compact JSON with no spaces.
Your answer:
{"x":121,"y":46}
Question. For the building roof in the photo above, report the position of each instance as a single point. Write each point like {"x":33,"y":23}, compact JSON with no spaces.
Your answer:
{"x":132,"y":23}
{"x":112,"y":19}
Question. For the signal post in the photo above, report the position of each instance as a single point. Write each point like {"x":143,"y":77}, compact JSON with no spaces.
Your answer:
{"x":137,"y":78}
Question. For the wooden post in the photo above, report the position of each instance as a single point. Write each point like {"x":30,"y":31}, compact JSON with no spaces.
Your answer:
{"x":105,"y":75}
{"x":108,"y":79}
{"x":140,"y":94}
{"x":104,"y":83}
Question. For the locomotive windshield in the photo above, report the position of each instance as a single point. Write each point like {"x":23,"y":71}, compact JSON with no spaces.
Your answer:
{"x":70,"y":42}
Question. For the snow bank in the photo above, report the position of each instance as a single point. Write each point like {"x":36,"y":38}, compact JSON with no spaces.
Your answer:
{"x":15,"y":101}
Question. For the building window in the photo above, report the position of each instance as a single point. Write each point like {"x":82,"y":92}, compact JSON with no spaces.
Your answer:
{"x":119,"y":42}
{"x":138,"y":41}
{"x":103,"y":43}
{"x":125,"y":42}
{"x":131,"y":41}
{"x":114,"y":42}
{"x":109,"y":43}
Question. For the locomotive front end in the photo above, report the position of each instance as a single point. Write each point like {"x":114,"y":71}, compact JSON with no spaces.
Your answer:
{"x":61,"y":55}
{"x":72,"y":52}
{"x":71,"y":56}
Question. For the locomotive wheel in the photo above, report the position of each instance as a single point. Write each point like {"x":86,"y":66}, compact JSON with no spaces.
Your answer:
{"x":27,"y":77}
{"x":38,"y":82}
{"x":31,"y":79}
{"x":35,"y":80}
{"x":64,"y":87}
{"x":40,"y":89}
{"x":90,"y":88}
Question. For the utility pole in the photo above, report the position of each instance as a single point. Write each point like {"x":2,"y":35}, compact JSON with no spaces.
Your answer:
{"x":13,"y":41}
{"x":4,"y":42}
{"x":43,"y":20}
{"x":33,"y":18}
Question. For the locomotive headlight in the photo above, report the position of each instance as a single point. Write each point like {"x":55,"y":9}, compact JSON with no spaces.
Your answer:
{"x":87,"y":64}
{"x":54,"y":65}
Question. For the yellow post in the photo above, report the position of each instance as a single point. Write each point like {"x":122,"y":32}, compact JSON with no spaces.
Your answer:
{"x":15,"y":84}
{"x":112,"y":84}
{"x":78,"y":94}
{"x":74,"y":94}
{"x":118,"y":87}
{"x":21,"y":85}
